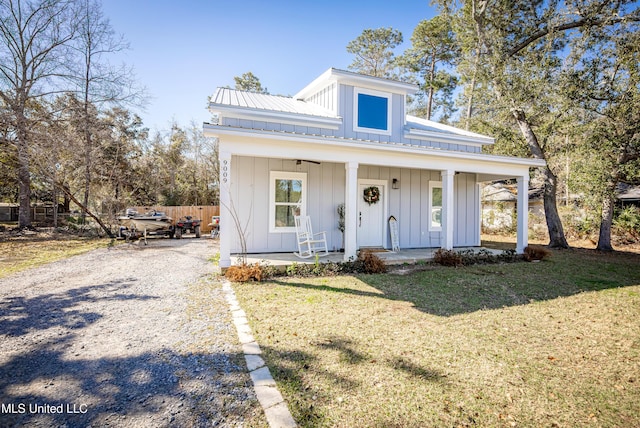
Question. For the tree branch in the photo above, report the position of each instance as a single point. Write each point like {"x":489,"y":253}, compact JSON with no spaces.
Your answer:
{"x":582,"y":22}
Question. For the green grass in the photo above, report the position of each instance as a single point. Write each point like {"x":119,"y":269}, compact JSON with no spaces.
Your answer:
{"x":555,"y":343}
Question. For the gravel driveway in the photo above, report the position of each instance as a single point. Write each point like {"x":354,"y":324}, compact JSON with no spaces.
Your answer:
{"x":134,"y":335}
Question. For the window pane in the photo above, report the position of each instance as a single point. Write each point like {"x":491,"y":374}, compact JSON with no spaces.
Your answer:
{"x":372,"y":112}
{"x":436,"y":196}
{"x":436,"y":217}
{"x":288,"y":191}
{"x":284,"y":215}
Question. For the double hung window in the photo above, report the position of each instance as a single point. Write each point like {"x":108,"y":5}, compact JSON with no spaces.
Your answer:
{"x":288,"y":191}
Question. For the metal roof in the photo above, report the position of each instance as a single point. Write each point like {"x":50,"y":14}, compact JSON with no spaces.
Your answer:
{"x":423,"y":125}
{"x":275,"y":103}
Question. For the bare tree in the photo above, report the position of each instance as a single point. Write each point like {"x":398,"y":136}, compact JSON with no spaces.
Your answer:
{"x":33,"y":49}
{"x":98,"y":82}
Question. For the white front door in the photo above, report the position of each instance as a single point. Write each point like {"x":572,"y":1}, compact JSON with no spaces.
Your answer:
{"x":371,"y":216}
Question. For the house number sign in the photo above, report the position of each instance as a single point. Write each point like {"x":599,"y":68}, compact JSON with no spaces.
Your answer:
{"x":225,"y":170}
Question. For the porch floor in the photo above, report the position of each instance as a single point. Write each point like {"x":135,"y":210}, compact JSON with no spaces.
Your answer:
{"x":407,"y":256}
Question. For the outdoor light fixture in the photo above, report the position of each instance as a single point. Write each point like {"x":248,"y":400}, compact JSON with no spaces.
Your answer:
{"x":395,"y":184}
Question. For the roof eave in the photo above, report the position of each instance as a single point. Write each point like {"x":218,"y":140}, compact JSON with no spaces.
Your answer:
{"x":216,"y":130}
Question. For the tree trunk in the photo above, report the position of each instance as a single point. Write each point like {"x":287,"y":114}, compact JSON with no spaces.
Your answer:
{"x":87,"y":132}
{"x":24,"y":178}
{"x":55,"y":205}
{"x":87,"y":172}
{"x":472,"y":91}
{"x":24,"y":175}
{"x":604,"y":238}
{"x":432,"y":76}
{"x":66,"y":205}
{"x":554,"y":224}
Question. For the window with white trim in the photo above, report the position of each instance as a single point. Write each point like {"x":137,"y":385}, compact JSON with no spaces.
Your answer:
{"x":372,"y":111}
{"x":287,"y":196}
{"x":435,"y":205}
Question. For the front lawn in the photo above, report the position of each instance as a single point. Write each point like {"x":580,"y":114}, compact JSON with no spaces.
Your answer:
{"x":555,"y":343}
{"x":24,"y":251}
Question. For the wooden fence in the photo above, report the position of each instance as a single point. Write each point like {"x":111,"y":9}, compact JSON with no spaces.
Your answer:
{"x":203,"y":212}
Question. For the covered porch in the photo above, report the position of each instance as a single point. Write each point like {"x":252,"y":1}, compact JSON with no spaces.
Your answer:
{"x":404,"y":256}
{"x":246,"y":173}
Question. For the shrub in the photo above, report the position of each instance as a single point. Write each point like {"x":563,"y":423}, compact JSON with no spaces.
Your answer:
{"x":473,"y":257}
{"x":535,"y":252}
{"x":508,"y":256}
{"x":448,"y":258}
{"x":368,"y":262}
{"x":245,"y":273}
{"x":627,"y":224}
{"x":300,"y":269}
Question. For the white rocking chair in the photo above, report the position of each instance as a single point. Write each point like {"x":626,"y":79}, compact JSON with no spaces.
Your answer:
{"x":309,"y":244}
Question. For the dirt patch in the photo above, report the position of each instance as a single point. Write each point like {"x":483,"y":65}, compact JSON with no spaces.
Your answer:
{"x":130,"y":335}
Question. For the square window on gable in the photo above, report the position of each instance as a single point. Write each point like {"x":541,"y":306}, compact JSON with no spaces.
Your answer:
{"x":372,"y":111}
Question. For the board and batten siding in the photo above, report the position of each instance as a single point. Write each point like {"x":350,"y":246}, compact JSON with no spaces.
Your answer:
{"x":346,"y":109}
{"x":325,"y":191}
{"x":250,"y":179}
{"x":326,"y":97}
{"x":410,"y":206}
{"x":466,"y":232}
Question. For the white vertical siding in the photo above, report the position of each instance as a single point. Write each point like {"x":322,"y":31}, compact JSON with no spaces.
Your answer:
{"x":410,"y":205}
{"x":467,"y":230}
{"x":250,"y":197}
{"x":326,"y":97}
{"x":325,"y":191}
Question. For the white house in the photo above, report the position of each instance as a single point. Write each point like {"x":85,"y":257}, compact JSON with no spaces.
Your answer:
{"x":342,"y":137}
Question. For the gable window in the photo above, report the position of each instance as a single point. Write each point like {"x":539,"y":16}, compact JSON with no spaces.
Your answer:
{"x":372,"y":111}
{"x":287,"y":195}
{"x":435,"y":205}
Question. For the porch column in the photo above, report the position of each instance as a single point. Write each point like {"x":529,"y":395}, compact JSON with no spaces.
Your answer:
{"x":226,"y":222}
{"x":350,"y":210}
{"x":523,"y":214}
{"x":447,"y":209}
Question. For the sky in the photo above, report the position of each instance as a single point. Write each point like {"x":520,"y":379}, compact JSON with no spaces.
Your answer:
{"x":182,"y":50}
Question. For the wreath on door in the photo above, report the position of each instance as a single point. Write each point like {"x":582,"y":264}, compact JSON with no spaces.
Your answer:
{"x":371,"y":195}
